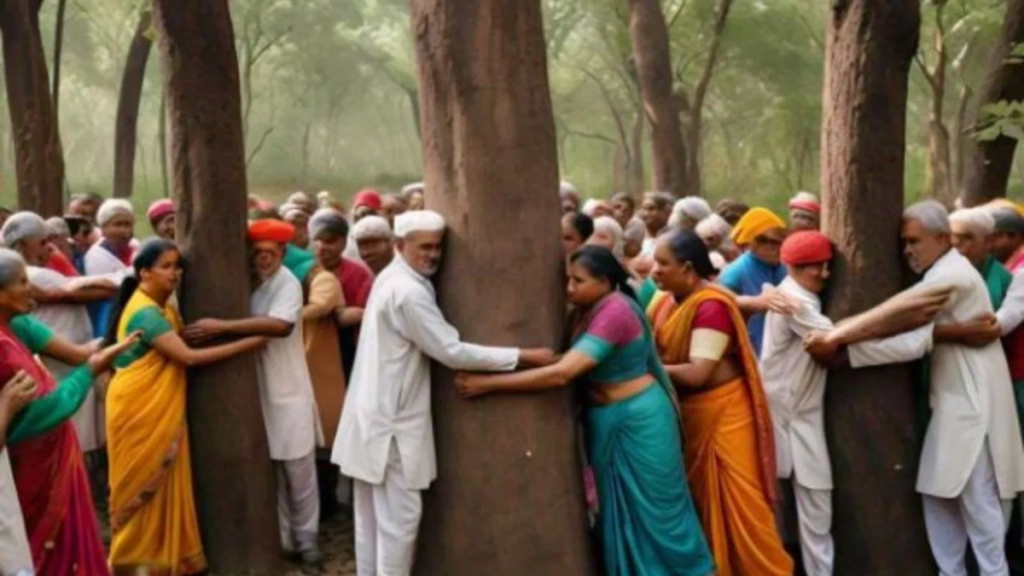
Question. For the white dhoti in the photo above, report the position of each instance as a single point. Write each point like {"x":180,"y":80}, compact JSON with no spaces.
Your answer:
{"x":814,"y":513}
{"x":976,"y":515}
{"x":298,"y":503}
{"x":387,"y":519}
{"x":15,"y":554}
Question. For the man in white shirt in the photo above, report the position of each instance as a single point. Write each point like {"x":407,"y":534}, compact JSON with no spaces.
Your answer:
{"x":972,"y":460}
{"x":795,"y":385}
{"x":385,"y":441}
{"x":286,"y":390}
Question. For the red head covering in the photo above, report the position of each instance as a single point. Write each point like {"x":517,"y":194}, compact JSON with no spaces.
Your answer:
{"x":271,"y":231}
{"x":805,"y":204}
{"x":367,"y":197}
{"x":160,"y":209}
{"x":806,"y":247}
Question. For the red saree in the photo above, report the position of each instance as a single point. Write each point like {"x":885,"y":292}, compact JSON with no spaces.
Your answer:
{"x":52,"y":484}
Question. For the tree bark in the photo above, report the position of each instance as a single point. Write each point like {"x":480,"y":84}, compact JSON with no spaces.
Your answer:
{"x":58,"y":50}
{"x":484,"y":87}
{"x":987,"y":164}
{"x":39,"y":162}
{"x":654,"y":68}
{"x":161,"y":136}
{"x":636,"y":169}
{"x":229,"y":451}
{"x":938,"y":180}
{"x":878,"y":522}
{"x":127,"y":122}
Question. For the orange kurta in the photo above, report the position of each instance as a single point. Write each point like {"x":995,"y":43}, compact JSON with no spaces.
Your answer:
{"x":730,"y":452}
{"x":323,"y":350}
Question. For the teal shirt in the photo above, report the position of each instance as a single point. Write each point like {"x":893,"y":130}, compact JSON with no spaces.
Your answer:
{"x":152,"y":323}
{"x":997,"y":280}
{"x":298,"y":261}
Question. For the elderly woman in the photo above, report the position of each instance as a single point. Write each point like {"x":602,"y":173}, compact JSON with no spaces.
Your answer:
{"x":687,"y":212}
{"x":162,"y":219}
{"x":715,"y":231}
{"x":111,"y":257}
{"x":375,"y":241}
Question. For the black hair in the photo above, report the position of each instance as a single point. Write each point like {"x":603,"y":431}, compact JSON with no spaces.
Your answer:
{"x":686,"y":246}
{"x":626,"y":198}
{"x":147,"y":257}
{"x":603,"y":265}
{"x":581,"y":223}
{"x":77,"y":224}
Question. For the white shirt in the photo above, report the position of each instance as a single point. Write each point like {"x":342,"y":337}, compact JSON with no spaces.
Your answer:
{"x":970,"y":394}
{"x":100,"y":262}
{"x":389,"y":393}
{"x":286,"y":389}
{"x":795,"y":383}
{"x":15,"y":554}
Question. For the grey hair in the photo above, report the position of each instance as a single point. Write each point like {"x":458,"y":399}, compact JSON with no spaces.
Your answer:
{"x":58,"y":227}
{"x":931,"y":214}
{"x":635,"y":231}
{"x":611,"y":226}
{"x":10,"y":264}
{"x":662,"y":199}
{"x":23,"y":226}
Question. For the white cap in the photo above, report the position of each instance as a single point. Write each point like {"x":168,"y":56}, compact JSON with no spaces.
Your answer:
{"x":113,"y":207}
{"x":418,"y":221}
{"x":371,"y":227}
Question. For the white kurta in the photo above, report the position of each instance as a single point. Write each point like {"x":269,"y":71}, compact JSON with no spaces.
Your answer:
{"x":1011,"y":313}
{"x":100,"y":262}
{"x":72,"y":322}
{"x":971,"y":395}
{"x":286,"y":389}
{"x":389,"y":393}
{"x":15,"y":554}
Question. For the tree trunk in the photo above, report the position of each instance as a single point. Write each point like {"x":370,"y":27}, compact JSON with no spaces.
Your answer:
{"x":654,"y":67}
{"x":938,"y":179}
{"x":58,"y":50}
{"x":636,"y":169}
{"x":126,"y":127}
{"x":878,"y":522}
{"x":484,"y":87}
{"x":161,"y":136}
{"x":39,"y":163}
{"x":234,"y":480}
{"x":958,"y":140}
{"x":987,"y":164}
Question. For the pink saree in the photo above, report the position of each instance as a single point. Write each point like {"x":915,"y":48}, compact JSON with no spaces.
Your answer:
{"x":52,"y":484}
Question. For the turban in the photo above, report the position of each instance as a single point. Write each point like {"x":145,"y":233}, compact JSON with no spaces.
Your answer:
{"x":113,"y":207}
{"x":410,"y":188}
{"x":159,"y":210}
{"x":806,"y":247}
{"x":979,"y":220}
{"x":23,"y":226}
{"x":566,"y":188}
{"x":290,"y":209}
{"x":592,"y":205}
{"x":300,"y":199}
{"x":57,"y":226}
{"x":371,"y":227}
{"x":271,"y":231}
{"x":806,"y":202}
{"x":418,"y":221}
{"x":1008,"y":221}
{"x":690,"y":207}
{"x":369,"y":198}
{"x":754,"y":223}
{"x":327,"y":220}
{"x":1004,"y":203}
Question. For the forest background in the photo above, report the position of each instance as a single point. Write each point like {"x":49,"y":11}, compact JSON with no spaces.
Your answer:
{"x":330,"y":102}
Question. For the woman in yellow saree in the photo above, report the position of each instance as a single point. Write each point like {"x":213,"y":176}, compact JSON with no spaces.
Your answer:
{"x":152,"y":514}
{"x":730,"y":454}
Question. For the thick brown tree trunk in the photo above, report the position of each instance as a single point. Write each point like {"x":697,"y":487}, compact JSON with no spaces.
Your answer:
{"x":39,"y":162}
{"x":654,"y":68}
{"x":484,"y":87}
{"x":234,"y":480}
{"x":878,"y":523}
{"x":987,"y":164}
{"x":58,"y":52}
{"x":127,"y":122}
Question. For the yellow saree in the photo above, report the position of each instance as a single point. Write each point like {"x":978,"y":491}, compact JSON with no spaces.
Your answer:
{"x":729,"y":445}
{"x":152,"y":513}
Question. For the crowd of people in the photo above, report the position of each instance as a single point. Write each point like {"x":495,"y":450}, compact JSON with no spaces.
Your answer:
{"x":698,"y":343}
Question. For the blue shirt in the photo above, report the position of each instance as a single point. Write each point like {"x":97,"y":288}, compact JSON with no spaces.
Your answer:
{"x":746,"y":277}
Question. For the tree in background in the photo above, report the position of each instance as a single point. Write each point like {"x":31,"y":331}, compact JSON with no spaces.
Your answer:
{"x":127,"y":121}
{"x":508,"y":495}
{"x":878,"y":522}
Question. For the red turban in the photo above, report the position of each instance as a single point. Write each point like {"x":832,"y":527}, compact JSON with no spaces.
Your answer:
{"x":160,"y":209}
{"x":271,"y":231}
{"x":367,"y":197}
{"x":805,"y":205}
{"x":806,"y":247}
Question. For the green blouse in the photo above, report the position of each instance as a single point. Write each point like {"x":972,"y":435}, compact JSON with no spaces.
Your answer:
{"x":151,"y":321}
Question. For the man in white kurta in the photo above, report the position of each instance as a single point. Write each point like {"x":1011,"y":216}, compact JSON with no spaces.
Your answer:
{"x":385,"y":441}
{"x":795,"y":386}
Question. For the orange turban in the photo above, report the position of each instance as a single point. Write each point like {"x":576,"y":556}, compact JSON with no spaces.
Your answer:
{"x":271,"y":231}
{"x":754,"y":223}
{"x":807,"y":247}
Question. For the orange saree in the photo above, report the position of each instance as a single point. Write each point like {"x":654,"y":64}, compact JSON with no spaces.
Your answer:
{"x":729,"y":444}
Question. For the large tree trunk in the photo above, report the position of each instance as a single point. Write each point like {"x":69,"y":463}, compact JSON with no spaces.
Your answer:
{"x":39,"y":162}
{"x":126,"y":126}
{"x":484,"y":87}
{"x":938,"y":179}
{"x":654,"y":68}
{"x":58,"y":51}
{"x":234,"y":480}
{"x":987,"y":164}
{"x":878,"y":523}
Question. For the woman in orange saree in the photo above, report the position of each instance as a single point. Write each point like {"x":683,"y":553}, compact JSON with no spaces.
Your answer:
{"x":730,"y":454}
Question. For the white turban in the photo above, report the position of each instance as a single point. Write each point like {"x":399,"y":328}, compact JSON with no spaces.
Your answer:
{"x":289,"y":209}
{"x":418,"y":221}
{"x":979,"y":220}
{"x":410,"y":188}
{"x":23,"y":226}
{"x":611,"y":226}
{"x":113,"y":207}
{"x":371,"y":227}
{"x":692,"y":207}
{"x":300,"y":198}
{"x":58,"y":226}
{"x":566,"y":187}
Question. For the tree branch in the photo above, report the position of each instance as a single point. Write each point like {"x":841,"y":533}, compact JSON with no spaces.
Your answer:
{"x":611,"y":106}
{"x":716,"y":44}
{"x":679,"y":10}
{"x":925,"y":72}
{"x":259,"y":146}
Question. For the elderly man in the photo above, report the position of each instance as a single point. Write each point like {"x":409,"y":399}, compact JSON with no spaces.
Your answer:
{"x":61,"y":254}
{"x":804,"y":212}
{"x":375,"y":241}
{"x":655,"y":211}
{"x":973,"y":458}
{"x":795,"y":384}
{"x":391,"y":206}
{"x":162,"y":219}
{"x":413,"y":194}
{"x":972,"y":230}
{"x":85,"y":206}
{"x":366,"y":203}
{"x":623,"y":208}
{"x":569,"y":197}
{"x":112,"y":255}
{"x":385,"y":441}
{"x":688,"y":212}
{"x":731,"y":210}
{"x":286,"y":389}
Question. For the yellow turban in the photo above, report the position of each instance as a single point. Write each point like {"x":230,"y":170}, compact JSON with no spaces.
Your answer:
{"x":754,"y":223}
{"x":1004,"y":203}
